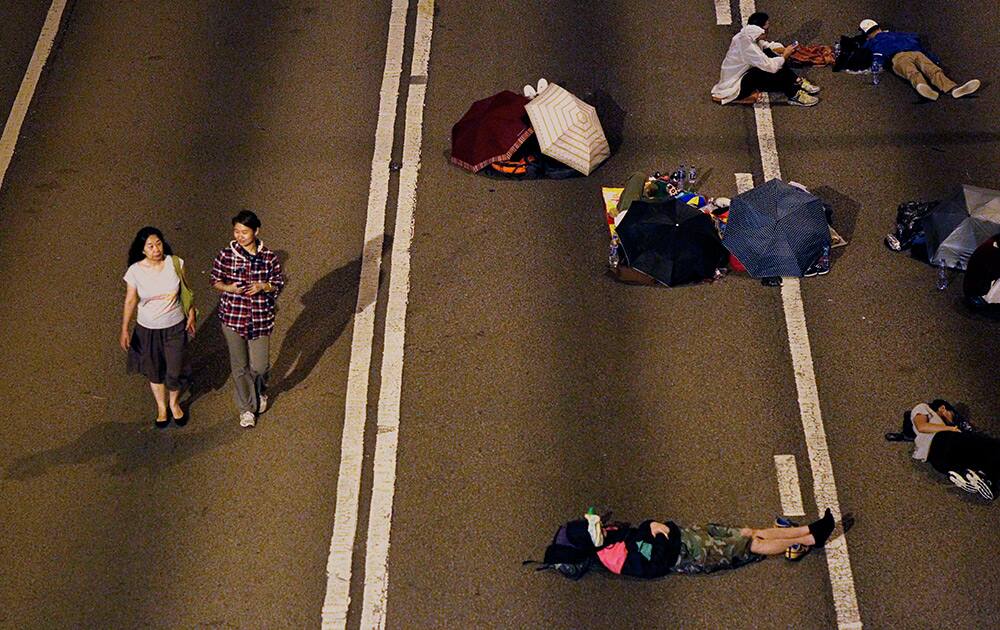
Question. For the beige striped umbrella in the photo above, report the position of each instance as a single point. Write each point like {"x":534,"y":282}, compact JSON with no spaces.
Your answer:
{"x":568,"y":129}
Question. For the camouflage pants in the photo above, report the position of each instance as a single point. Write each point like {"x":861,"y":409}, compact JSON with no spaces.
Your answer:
{"x":713,"y":548}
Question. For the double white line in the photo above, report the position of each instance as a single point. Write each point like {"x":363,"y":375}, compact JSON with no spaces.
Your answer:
{"x":337,"y":600}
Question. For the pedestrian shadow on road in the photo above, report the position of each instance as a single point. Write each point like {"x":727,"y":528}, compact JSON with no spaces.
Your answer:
{"x":329,"y":306}
{"x":123,"y":448}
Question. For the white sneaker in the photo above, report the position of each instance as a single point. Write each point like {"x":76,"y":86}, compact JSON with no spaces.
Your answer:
{"x":262,"y":403}
{"x":982,"y":486}
{"x":927,"y":92}
{"x":961,"y":482}
{"x":542,"y":84}
{"x":966,"y":88}
{"x":529,"y":92}
{"x":247,"y":419}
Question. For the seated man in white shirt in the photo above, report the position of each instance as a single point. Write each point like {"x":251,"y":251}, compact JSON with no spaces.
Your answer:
{"x":971,"y":460}
{"x":747,"y":69}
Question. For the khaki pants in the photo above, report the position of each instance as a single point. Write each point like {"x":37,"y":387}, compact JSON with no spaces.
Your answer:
{"x":915,"y":67}
{"x":250,"y":366}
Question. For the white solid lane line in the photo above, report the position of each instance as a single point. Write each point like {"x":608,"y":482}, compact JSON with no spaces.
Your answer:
{"x":12,"y":129}
{"x":788,"y":485}
{"x":345,"y":523}
{"x":374,"y":606}
{"x":838,"y":561}
{"x":723,"y":16}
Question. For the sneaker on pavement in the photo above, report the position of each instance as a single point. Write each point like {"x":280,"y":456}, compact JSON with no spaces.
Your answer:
{"x":810,"y":88}
{"x":529,"y":92}
{"x":982,"y":486}
{"x":966,"y":88}
{"x":247,"y":419}
{"x":262,"y":403}
{"x":803,"y":99}
{"x":927,"y":92}
{"x":961,"y":482}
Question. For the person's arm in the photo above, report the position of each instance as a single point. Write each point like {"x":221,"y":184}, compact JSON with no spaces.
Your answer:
{"x":756,"y":58}
{"x":776,"y":47}
{"x":659,"y":528}
{"x":275,"y":280}
{"x":218,"y":275}
{"x":131,"y":300}
{"x":922,"y":424}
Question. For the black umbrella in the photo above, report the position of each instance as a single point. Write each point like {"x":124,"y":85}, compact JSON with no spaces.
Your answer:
{"x":670,"y":241}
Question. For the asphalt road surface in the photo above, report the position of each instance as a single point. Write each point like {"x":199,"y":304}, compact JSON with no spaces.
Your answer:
{"x":533,"y":385}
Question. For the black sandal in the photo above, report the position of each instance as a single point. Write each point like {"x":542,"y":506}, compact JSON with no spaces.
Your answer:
{"x":161,"y":424}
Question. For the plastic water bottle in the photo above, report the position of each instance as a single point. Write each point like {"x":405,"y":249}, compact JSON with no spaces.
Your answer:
{"x":942,"y":279}
{"x":876,"y":68}
{"x":613,"y":259}
{"x":682,"y":177}
{"x":692,"y":176}
{"x":836,"y":50}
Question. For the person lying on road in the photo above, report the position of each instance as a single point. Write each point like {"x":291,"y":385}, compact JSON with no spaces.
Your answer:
{"x":970,"y":459}
{"x":747,"y":69}
{"x":913,"y":62}
{"x":654,"y":549}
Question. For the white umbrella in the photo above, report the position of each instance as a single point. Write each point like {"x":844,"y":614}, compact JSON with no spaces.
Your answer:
{"x":568,"y":129}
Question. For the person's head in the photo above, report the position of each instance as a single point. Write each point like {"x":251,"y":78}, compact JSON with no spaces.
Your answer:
{"x":944,"y":409}
{"x":148,"y":243}
{"x":245,"y":226}
{"x":760,"y":19}
{"x":869,"y":27}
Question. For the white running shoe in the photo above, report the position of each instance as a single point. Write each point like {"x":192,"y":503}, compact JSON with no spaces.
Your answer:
{"x":961,"y":482}
{"x":247,"y":419}
{"x":529,"y":92}
{"x":966,"y":88}
{"x":982,"y":486}
{"x":262,"y":403}
{"x":542,"y":84}
{"x":927,"y":92}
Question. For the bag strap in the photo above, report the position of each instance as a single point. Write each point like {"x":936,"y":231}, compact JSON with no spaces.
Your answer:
{"x":179,"y":270}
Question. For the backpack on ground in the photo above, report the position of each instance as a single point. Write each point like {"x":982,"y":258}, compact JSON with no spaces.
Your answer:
{"x":571,"y":552}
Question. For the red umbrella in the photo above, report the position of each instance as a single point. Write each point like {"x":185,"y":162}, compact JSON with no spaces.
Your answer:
{"x":491,"y":131}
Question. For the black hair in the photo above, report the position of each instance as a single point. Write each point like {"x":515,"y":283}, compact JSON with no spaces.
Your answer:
{"x":938,"y":402}
{"x":758,"y":19}
{"x":135,"y":253}
{"x":247,"y":218}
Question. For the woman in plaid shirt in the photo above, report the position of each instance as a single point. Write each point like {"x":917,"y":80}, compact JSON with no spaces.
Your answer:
{"x":249,"y":277}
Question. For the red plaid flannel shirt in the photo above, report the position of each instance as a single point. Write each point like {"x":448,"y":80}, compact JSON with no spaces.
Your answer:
{"x":251,"y":316}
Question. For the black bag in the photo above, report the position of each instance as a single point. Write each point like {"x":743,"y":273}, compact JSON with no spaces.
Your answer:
{"x":571,"y":553}
{"x":853,"y":55}
{"x":906,"y":434}
{"x":909,"y":224}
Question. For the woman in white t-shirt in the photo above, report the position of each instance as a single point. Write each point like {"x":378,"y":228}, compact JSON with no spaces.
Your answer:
{"x":156,"y":346}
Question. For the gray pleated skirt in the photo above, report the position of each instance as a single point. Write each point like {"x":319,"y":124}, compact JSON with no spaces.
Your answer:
{"x":158,"y":354}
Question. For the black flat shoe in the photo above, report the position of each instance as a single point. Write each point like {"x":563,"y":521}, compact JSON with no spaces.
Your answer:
{"x":179,"y":421}
{"x":162,"y":424}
